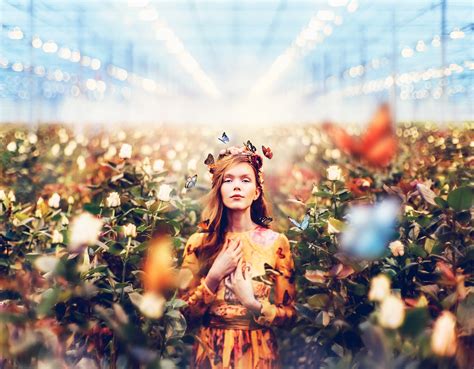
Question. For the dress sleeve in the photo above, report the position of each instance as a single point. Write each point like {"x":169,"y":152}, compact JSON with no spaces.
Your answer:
{"x":282,"y":312}
{"x":197,"y":294}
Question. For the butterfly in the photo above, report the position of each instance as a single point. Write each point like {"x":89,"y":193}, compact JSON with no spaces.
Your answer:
{"x":304,"y":223}
{"x":377,"y":146}
{"x":267,"y":152}
{"x":224,"y":139}
{"x":209,"y":160}
{"x":265,"y":220}
{"x":191,"y":181}
{"x":250,"y":147}
{"x":370,"y":228}
{"x":204,"y":225}
{"x":270,"y":273}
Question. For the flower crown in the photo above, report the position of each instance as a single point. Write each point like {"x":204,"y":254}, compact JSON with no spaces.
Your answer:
{"x":249,"y":150}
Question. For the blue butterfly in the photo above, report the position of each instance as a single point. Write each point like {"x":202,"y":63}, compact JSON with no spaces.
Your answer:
{"x":304,"y":223}
{"x":191,"y":181}
{"x":370,"y":229}
{"x":224,"y":139}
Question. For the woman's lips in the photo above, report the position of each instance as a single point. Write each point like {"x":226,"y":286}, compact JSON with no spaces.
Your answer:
{"x":236,"y":197}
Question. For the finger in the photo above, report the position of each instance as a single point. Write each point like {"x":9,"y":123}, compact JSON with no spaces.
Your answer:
{"x":229,"y":286}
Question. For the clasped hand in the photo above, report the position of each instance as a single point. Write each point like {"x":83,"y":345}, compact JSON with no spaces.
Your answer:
{"x":229,"y":265}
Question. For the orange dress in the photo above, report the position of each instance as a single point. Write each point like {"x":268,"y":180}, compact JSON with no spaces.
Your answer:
{"x":230,"y":336}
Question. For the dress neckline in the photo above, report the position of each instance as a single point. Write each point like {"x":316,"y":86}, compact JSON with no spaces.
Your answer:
{"x":251,"y":230}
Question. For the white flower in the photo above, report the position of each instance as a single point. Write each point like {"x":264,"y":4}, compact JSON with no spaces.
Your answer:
{"x":185,"y":277}
{"x":130,"y":230}
{"x":150,"y":304}
{"x":379,"y":288}
{"x":443,"y":339}
{"x":164,"y":192}
{"x":11,"y":196}
{"x":334,"y":173}
{"x":64,"y":221}
{"x":11,"y":146}
{"x":57,"y":237}
{"x":84,"y":231}
{"x":54,"y":201}
{"x":113,"y":200}
{"x":46,"y":263}
{"x":3,"y":196}
{"x":158,"y":165}
{"x":125,"y":151}
{"x":392,"y":312}
{"x":70,"y":200}
{"x":397,"y":248}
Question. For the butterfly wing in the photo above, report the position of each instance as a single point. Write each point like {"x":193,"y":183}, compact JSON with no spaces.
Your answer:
{"x":209,"y":160}
{"x":191,"y":181}
{"x":267,"y":152}
{"x":224,"y":139}
{"x":305,"y":222}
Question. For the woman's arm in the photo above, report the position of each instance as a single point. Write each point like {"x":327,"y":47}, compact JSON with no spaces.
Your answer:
{"x":201,"y":292}
{"x":282,"y":312}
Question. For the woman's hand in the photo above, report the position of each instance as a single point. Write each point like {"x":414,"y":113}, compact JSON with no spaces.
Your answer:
{"x":225,"y":263}
{"x":240,"y":283}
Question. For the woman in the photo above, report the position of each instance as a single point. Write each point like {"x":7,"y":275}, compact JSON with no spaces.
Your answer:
{"x":230,"y":263}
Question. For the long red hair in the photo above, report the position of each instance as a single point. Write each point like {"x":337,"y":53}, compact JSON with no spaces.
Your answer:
{"x":216,"y":213}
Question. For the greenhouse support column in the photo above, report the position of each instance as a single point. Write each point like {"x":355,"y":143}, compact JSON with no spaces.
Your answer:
{"x":393,"y":89}
{"x":32,"y":118}
{"x":444,"y":39}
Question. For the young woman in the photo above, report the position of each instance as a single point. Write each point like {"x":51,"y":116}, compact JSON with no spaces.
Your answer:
{"x":231,"y":307}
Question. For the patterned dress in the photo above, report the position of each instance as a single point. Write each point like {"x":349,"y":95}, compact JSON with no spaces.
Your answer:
{"x":229,"y":335}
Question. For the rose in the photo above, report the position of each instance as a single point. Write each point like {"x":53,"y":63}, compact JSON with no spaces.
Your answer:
{"x":84,"y":231}
{"x":334,"y":173}
{"x":392,"y":312}
{"x":443,"y":339}
{"x":379,"y":288}
{"x":130,"y":230}
{"x":54,"y":201}
{"x":113,"y":200}
{"x":397,"y":248}
{"x":164,"y":192}
{"x":57,"y":237}
{"x":125,"y":151}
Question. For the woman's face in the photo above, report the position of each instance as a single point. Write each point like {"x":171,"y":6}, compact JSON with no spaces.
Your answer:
{"x":239,"y":187}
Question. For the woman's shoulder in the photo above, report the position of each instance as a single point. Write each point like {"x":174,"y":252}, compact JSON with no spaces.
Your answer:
{"x":265,"y":236}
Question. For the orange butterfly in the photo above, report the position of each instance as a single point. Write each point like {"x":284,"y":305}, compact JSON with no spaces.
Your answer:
{"x":204,"y":225}
{"x":377,"y":146}
{"x":267,"y":152}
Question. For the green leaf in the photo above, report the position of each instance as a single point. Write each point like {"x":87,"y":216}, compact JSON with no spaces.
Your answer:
{"x":415,"y":321}
{"x":322,"y":194}
{"x":442,"y":203}
{"x":318,"y":301}
{"x":465,"y":314}
{"x":92,"y":208}
{"x":461,"y":198}
{"x":429,"y":243}
{"x":49,"y":298}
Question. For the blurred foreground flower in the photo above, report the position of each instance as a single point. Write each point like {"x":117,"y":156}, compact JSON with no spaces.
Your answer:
{"x":84,"y":231}
{"x":113,"y":200}
{"x":397,"y":248}
{"x":164,"y":192}
{"x":11,"y":196}
{"x":150,"y":304}
{"x":46,"y":263}
{"x":334,"y":173}
{"x":443,"y":339}
{"x":159,"y":272}
{"x":2,"y":195}
{"x":379,"y":288}
{"x":392,"y":312}
{"x":54,"y":201}
{"x":125,"y":151}
{"x":370,"y":228}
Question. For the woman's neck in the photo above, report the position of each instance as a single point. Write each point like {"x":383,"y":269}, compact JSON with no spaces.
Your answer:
{"x":239,"y":221}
